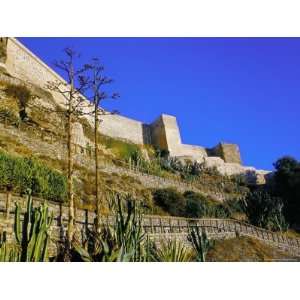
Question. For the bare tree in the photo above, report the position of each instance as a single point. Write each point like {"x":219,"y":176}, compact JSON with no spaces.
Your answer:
{"x":98,"y":81}
{"x":72,"y":90}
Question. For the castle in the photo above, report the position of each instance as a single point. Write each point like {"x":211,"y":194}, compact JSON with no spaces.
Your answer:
{"x":20,"y":62}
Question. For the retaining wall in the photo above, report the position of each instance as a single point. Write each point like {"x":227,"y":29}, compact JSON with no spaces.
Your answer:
{"x":157,"y":227}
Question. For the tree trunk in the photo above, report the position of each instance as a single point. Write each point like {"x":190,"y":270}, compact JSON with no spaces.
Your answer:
{"x":98,"y":199}
{"x":70,"y":172}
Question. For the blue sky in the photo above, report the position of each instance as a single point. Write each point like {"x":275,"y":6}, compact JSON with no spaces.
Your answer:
{"x":239,"y":90}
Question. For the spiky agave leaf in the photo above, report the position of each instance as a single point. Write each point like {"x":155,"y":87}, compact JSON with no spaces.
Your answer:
{"x":172,"y":251}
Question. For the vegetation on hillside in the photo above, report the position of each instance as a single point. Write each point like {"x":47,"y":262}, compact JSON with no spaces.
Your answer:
{"x":286,"y":185}
{"x":276,"y":205}
{"x":193,"y":205}
{"x":32,"y":235}
{"x":265,"y":211}
{"x":21,"y":173}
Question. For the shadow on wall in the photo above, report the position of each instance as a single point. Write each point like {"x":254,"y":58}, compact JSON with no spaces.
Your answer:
{"x":146,"y":131}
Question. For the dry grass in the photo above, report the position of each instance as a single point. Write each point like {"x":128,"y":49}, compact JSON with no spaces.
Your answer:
{"x":292,"y":234}
{"x":244,"y":249}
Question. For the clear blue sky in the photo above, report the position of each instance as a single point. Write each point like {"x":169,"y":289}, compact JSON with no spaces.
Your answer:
{"x":239,"y":90}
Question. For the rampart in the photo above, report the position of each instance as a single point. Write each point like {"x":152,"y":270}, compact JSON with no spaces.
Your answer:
{"x":21,"y":63}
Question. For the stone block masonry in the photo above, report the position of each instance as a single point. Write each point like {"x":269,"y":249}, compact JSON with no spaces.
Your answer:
{"x":157,"y":228}
{"x":230,"y":153}
{"x":164,"y":133}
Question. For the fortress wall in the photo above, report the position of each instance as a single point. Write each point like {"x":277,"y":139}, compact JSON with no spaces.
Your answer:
{"x":25,"y":65}
{"x":195,"y":152}
{"x":158,"y":134}
{"x":125,"y":128}
{"x":230,"y":153}
{"x":166,"y":135}
{"x":164,"y":132}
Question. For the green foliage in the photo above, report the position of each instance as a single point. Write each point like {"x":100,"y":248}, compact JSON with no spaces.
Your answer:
{"x":201,"y":244}
{"x":33,"y":232}
{"x":171,"y":201}
{"x":264,"y":210}
{"x":234,"y":206}
{"x":287,"y":186}
{"x":172,"y":251}
{"x":123,"y":242}
{"x":137,"y":161}
{"x":23,"y":173}
{"x":9,"y":252}
{"x":189,"y":204}
{"x":122,"y":149}
{"x":197,"y":206}
{"x":170,"y":164}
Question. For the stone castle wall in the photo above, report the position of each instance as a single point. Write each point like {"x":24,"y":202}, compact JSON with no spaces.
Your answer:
{"x":230,"y":153}
{"x":23,"y":64}
{"x":164,"y":132}
{"x":166,"y":135}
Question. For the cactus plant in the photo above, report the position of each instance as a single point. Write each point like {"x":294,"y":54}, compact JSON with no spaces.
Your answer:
{"x":9,"y":252}
{"x":200,"y":242}
{"x":123,"y":241}
{"x":33,"y":232}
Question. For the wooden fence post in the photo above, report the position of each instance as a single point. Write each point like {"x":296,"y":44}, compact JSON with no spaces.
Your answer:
{"x":86,"y":219}
{"x":170,"y":225}
{"x":151,"y":224}
{"x":8,"y":201}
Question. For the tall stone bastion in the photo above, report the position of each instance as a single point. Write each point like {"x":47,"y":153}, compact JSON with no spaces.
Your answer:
{"x":163,"y":133}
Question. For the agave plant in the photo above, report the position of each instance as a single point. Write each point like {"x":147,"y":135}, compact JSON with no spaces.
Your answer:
{"x":172,"y":251}
{"x":200,"y":242}
{"x":33,"y":232}
{"x":32,"y":235}
{"x":123,"y":241}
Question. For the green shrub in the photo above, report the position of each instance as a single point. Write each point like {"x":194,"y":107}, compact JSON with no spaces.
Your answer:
{"x":189,"y":204}
{"x":24,"y":173}
{"x":197,"y":205}
{"x":171,"y":201}
{"x":264,"y":210}
{"x":286,"y":185}
{"x":138,"y":161}
{"x":220,"y":211}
